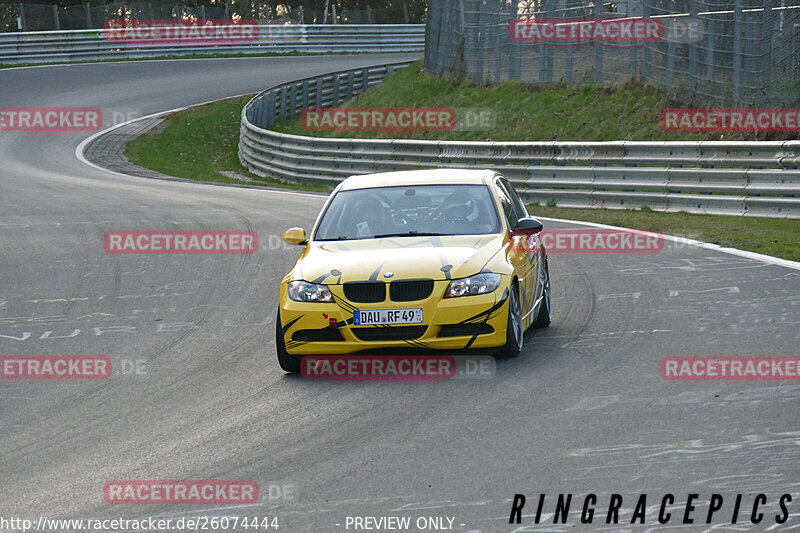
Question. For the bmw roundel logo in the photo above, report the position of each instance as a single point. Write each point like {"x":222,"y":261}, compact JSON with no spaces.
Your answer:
{"x":388,"y":274}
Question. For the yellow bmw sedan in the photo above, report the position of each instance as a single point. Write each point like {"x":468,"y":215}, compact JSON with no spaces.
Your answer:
{"x":423,"y":260}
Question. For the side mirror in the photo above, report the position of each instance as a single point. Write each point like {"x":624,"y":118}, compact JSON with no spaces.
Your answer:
{"x":295,"y":236}
{"x":527,"y":226}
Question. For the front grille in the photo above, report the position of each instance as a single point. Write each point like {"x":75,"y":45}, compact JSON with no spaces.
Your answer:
{"x":396,"y":333}
{"x":410,"y":290}
{"x":465,"y":330}
{"x":318,"y":335}
{"x":368,"y":292}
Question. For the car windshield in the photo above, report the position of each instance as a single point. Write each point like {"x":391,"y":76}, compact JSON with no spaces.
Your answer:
{"x":415,"y":210}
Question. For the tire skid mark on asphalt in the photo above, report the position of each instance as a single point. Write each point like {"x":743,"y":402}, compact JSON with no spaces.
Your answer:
{"x":588,"y":316}
{"x":712,"y":397}
{"x":688,"y":265}
{"x":693,"y":446}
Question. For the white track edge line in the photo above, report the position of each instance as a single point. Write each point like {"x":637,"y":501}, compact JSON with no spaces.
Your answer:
{"x":79,"y":150}
{"x":700,"y":244}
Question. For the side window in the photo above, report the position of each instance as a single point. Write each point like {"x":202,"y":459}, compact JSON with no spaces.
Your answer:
{"x":515,"y":199}
{"x":506,"y":203}
{"x":513,"y":209}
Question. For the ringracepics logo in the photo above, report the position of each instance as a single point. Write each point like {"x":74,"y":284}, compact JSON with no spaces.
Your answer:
{"x":652,"y":509}
{"x":730,"y":120}
{"x":180,"y":242}
{"x":180,"y":492}
{"x":55,"y":367}
{"x":730,"y":368}
{"x":50,"y":119}
{"x":589,"y":241}
{"x":627,"y":30}
{"x":198,"y":31}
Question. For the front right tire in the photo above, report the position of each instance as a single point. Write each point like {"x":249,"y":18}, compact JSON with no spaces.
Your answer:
{"x":288,"y":362}
{"x":545,"y":309}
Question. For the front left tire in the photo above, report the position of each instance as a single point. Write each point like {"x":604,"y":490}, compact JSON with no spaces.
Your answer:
{"x":514,"y":328}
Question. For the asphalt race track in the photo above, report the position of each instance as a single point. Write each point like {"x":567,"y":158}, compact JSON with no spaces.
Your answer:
{"x":584,"y":409}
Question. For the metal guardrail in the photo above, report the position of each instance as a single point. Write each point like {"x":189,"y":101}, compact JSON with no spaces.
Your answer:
{"x":91,"y":45}
{"x":705,"y":177}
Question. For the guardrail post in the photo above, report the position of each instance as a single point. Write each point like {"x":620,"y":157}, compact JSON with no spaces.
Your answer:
{"x":293,"y":101}
{"x":335,"y":100}
{"x":262,"y":112}
{"x":598,"y":46}
{"x":737,"y":52}
{"x":305,"y":94}
{"x":282,"y":106}
{"x":318,"y":94}
{"x":350,"y":84}
{"x":271,"y":109}
{"x":364,"y":79}
{"x":254,"y":113}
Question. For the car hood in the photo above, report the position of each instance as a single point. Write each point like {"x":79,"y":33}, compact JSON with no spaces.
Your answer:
{"x":436,"y":258}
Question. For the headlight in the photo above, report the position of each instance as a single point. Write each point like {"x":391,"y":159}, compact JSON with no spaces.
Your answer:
{"x":478,"y":284}
{"x":303,"y":291}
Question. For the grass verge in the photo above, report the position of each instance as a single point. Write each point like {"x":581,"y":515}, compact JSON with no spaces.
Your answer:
{"x":770,"y":236}
{"x":628,"y":110}
{"x":201,"y":143}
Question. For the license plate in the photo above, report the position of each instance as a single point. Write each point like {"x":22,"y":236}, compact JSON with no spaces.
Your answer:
{"x":382,"y":317}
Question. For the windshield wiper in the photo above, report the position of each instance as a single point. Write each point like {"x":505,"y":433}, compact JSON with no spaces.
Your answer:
{"x":339,"y":238}
{"x":413,"y":234}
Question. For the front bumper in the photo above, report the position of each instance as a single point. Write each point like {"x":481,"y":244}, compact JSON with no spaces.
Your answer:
{"x":449,"y":324}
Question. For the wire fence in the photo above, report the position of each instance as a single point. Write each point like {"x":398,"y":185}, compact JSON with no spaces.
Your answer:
{"x":46,"y":17}
{"x":703,"y":52}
